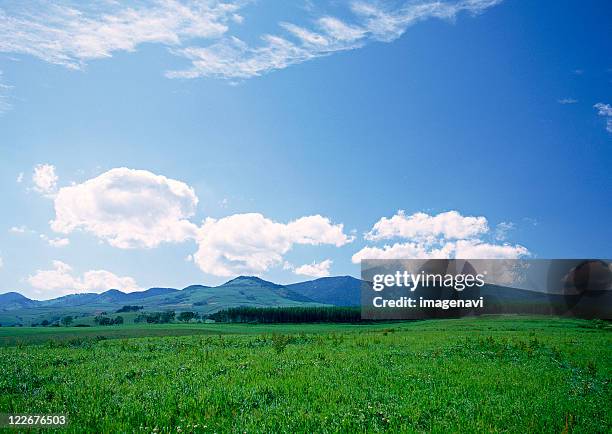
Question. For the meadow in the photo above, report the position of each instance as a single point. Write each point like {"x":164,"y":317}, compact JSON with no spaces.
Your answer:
{"x":498,"y":374}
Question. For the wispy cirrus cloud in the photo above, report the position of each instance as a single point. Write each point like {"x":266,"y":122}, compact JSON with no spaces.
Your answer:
{"x":71,"y":33}
{"x":369,"y":22}
{"x":5,"y":104}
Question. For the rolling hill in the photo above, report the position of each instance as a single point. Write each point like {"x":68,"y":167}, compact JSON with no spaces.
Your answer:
{"x":241,"y":291}
{"x":255,"y":292}
{"x":339,"y":291}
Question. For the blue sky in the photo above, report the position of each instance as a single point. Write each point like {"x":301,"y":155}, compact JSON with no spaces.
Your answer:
{"x":299,"y":131}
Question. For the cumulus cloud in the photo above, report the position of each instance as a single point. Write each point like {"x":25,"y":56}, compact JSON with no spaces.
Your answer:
{"x":45,"y":179}
{"x":316,"y":269}
{"x":446,"y":235}
{"x":468,"y":249}
{"x":565,"y":101}
{"x":60,"y":280}
{"x":72,"y":33}
{"x":449,"y":224}
{"x":128,"y":208}
{"x":252,"y":244}
{"x":605,"y":110}
{"x":19,"y":179}
{"x":18,"y":229}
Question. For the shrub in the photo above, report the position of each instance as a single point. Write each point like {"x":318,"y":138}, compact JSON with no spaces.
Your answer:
{"x":280,"y":342}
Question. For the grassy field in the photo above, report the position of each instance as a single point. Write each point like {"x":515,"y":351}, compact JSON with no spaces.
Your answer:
{"x":511,"y":374}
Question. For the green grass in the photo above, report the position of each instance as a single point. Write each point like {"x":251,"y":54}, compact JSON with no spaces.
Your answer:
{"x":511,"y":374}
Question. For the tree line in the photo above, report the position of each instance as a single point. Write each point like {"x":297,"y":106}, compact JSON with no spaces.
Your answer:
{"x":165,"y":317}
{"x":288,"y":314}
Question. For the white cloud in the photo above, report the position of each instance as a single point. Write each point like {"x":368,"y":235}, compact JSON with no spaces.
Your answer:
{"x":409,"y":250}
{"x":5,"y":105}
{"x":446,"y":235}
{"x":1,"y":262}
{"x":460,"y":249}
{"x":252,"y":243}
{"x":476,"y":249}
{"x":451,"y":225}
{"x":232,"y":58}
{"x":502,"y":229}
{"x":128,"y":208}
{"x":19,"y":179}
{"x":339,"y":30}
{"x":567,"y":101}
{"x":61,"y":281}
{"x":72,"y":34}
{"x":605,"y":110}
{"x":316,"y":269}
{"x":45,"y":179}
{"x":55,"y":242}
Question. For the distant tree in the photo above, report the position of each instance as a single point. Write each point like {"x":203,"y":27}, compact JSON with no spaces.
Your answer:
{"x":67,"y":320}
{"x":167,"y":316}
{"x":103,"y":320}
{"x":156,"y":317}
{"x":118,"y":319}
{"x":45,"y":323}
{"x":129,"y":308}
{"x":288,"y":314}
{"x":186,"y":316}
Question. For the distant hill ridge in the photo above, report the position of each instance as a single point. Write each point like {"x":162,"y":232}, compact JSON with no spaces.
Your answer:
{"x":240,"y":291}
{"x":253,"y":291}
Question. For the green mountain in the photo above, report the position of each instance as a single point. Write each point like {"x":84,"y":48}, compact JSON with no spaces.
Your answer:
{"x":339,"y":291}
{"x":241,"y":291}
{"x":255,"y":292}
